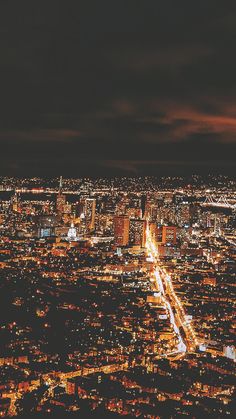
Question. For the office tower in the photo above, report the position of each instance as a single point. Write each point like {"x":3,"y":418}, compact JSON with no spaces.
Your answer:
{"x":194,"y":213}
{"x":47,"y":225}
{"x":159,"y":234}
{"x":137,"y":232}
{"x":229,"y":352}
{"x":121,"y":230}
{"x":208,"y":220}
{"x":217,"y":229}
{"x":78,"y":208}
{"x":143,"y":204}
{"x":183,"y":214}
{"x":122,"y":205}
{"x":133,"y":212}
{"x":169,"y":235}
{"x":156,"y":231}
{"x":67,"y":208}
{"x":89,"y":213}
{"x":61,"y":199}
{"x":151,"y":211}
{"x":15,"y":202}
{"x":72,"y":233}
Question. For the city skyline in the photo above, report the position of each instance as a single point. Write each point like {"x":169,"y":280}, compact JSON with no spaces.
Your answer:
{"x":117,"y":297}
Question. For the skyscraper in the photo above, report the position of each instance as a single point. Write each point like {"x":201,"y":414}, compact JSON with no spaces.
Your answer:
{"x":169,"y":234}
{"x":89,"y":212}
{"x":72,"y":234}
{"x":143,"y":204}
{"x":217,"y":229}
{"x":61,"y":199}
{"x":15,"y":202}
{"x":137,"y":232}
{"x":121,"y":230}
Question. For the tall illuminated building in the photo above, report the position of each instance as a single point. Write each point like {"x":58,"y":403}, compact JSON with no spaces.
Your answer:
{"x":137,"y":232}
{"x":121,"y":230}
{"x":72,"y":233}
{"x":89,"y":213}
{"x":156,"y":231}
{"x":169,"y":234}
{"x":61,"y":199}
{"x":133,"y":212}
{"x":15,"y":202}
{"x":183,"y":214}
{"x":122,"y":206}
{"x":151,"y":211}
{"x":143,"y":201}
{"x":217,"y":229}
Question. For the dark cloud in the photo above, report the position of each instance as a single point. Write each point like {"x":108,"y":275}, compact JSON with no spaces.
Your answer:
{"x":103,"y":88}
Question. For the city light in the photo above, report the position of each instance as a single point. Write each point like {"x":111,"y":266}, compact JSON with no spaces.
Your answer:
{"x":115,"y":294}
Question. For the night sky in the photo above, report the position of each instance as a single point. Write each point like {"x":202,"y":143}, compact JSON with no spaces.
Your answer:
{"x":117,"y":87}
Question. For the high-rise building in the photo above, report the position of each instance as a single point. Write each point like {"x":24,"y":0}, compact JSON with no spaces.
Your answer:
{"x":133,"y":212}
{"x":156,"y":231}
{"x":15,"y":202}
{"x":122,"y":205}
{"x":183,"y":214}
{"x":217,"y":229}
{"x":78,"y":208}
{"x":169,"y":234}
{"x":47,"y":225}
{"x":194,"y":213}
{"x":137,"y":232}
{"x":72,"y":233}
{"x":61,"y":199}
{"x":229,"y":352}
{"x":89,"y":213}
{"x":67,"y":208}
{"x":159,"y":234}
{"x":143,"y":201}
{"x":121,"y":230}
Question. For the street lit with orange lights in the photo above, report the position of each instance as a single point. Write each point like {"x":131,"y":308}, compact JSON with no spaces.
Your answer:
{"x":186,"y":337}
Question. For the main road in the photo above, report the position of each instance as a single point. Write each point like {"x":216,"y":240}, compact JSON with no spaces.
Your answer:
{"x":185,"y":334}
